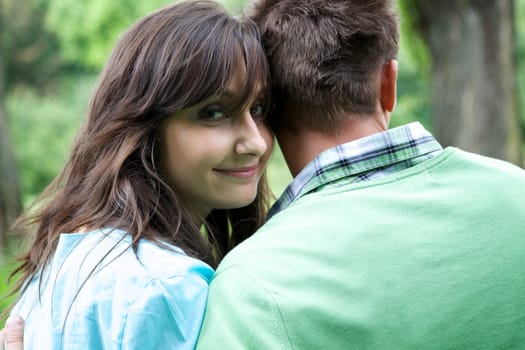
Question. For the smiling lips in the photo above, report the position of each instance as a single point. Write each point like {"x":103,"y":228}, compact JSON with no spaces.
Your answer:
{"x":247,"y":172}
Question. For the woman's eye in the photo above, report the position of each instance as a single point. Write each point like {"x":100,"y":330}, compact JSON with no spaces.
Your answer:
{"x":258,"y":110}
{"x":212,"y":114}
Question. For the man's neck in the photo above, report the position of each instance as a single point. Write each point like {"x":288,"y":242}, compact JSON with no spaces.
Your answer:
{"x":301,"y":146}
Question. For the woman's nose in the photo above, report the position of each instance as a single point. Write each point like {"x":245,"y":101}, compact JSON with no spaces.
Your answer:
{"x":250,"y":140}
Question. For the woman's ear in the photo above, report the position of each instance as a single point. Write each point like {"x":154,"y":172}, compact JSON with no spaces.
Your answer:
{"x":389,"y":85}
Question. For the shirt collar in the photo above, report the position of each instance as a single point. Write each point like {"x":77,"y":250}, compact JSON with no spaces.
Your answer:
{"x":357,"y":157}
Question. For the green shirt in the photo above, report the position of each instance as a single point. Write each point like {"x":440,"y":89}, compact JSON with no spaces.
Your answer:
{"x":429,"y":257}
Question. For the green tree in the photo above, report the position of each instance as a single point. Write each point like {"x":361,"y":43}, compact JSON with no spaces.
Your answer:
{"x":28,"y":57}
{"x":9,"y":189}
{"x":30,"y":51}
{"x":87,"y":30}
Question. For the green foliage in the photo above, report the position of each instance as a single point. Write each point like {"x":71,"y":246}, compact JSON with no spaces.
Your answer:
{"x":7,"y":266}
{"x":43,"y":128}
{"x":5,"y":270}
{"x":234,"y":6}
{"x":411,"y":40}
{"x":278,"y":174}
{"x":28,"y":51}
{"x":87,"y":30}
{"x":413,"y":103}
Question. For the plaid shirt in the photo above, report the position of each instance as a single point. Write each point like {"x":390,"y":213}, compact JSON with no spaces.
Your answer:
{"x":361,"y":160}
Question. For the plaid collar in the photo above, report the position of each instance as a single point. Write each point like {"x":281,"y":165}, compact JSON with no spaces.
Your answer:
{"x":361,"y":160}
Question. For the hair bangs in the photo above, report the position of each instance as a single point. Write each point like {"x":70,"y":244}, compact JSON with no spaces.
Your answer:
{"x":233,"y":47}
{"x":256,"y":80}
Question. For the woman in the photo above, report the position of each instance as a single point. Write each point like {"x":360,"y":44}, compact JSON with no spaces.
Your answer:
{"x":165,"y":176}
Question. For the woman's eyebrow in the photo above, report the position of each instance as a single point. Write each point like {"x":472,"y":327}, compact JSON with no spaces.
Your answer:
{"x":230,"y":95}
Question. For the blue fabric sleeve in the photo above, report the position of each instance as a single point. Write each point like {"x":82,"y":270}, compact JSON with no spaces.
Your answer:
{"x":167,"y":315}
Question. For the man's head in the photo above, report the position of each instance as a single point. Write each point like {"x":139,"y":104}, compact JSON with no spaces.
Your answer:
{"x":326,"y":58}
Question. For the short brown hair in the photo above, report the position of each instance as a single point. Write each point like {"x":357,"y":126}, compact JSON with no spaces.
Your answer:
{"x":324,"y":55}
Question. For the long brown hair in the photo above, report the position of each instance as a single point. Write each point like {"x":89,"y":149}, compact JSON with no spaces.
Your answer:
{"x":176,"y":57}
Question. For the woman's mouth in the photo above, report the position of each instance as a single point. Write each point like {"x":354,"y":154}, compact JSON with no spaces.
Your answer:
{"x":246,"y":172}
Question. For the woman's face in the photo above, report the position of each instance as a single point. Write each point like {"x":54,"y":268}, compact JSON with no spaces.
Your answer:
{"x":213,"y":159}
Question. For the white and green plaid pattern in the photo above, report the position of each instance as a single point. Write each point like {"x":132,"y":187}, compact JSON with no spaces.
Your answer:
{"x":360,"y":160}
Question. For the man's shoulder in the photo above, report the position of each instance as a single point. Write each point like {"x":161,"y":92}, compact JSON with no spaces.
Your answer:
{"x":476,"y":159}
{"x":489,"y":169}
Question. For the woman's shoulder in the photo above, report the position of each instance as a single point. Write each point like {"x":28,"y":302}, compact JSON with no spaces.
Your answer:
{"x":109,"y":253}
{"x":118,"y":294}
{"x":163,"y":259}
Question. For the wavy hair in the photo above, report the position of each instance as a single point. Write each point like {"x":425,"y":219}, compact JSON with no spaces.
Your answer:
{"x":173,"y":58}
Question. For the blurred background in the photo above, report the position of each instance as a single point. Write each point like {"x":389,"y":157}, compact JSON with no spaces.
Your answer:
{"x":462,"y":74}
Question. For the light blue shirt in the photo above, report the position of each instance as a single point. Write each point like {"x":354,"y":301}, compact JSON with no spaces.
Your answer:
{"x":96,"y":294}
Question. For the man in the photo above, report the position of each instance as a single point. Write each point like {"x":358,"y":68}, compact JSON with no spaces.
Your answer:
{"x":383,"y":240}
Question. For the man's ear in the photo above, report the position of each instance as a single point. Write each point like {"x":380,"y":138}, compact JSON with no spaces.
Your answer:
{"x":389,"y":85}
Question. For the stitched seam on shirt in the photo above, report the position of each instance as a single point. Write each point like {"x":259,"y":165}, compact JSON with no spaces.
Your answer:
{"x":275,"y":304}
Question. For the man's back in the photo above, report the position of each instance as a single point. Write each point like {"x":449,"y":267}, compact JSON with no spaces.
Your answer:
{"x":428,"y":257}
{"x":383,"y":240}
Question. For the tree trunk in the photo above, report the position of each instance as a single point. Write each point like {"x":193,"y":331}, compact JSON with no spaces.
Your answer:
{"x":9,"y":188}
{"x":474,"y":97}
